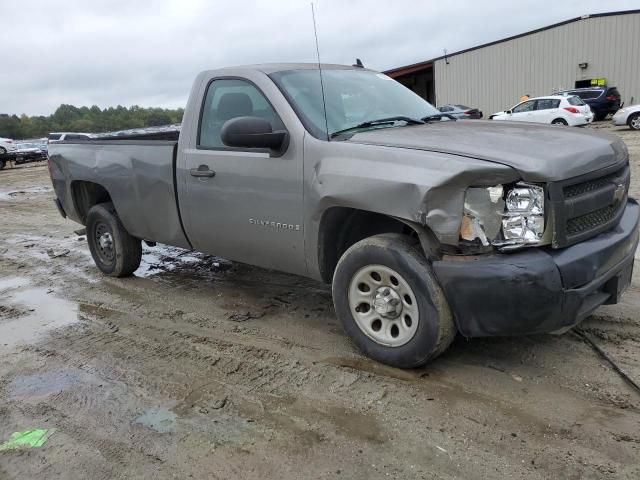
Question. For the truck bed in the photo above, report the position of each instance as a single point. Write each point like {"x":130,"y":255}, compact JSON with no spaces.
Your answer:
{"x":138,"y":174}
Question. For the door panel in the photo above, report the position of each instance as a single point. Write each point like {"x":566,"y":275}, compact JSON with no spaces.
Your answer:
{"x":244,"y":205}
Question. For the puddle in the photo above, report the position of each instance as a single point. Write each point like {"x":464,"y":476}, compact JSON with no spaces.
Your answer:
{"x":37,"y":312}
{"x":11,"y":283}
{"x":45,"y":384}
{"x":163,"y":258}
{"x":161,"y":420}
{"x":15,"y":194}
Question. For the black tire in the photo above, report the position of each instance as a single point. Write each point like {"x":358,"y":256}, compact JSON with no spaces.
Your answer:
{"x":559,"y":121}
{"x":119,"y":254}
{"x":435,"y":327}
{"x":598,"y":117}
{"x":2,"y":164}
{"x":634,"y":121}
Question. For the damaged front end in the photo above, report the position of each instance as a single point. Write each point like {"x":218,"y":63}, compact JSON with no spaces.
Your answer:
{"x":507,"y":217}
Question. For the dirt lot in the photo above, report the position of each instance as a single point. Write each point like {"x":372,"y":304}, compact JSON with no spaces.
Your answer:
{"x":200,"y":368}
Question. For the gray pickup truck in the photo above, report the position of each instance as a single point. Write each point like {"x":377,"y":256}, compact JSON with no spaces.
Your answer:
{"x":425,"y":226}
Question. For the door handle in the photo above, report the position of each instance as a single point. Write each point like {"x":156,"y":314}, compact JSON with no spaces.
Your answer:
{"x":202,"y":171}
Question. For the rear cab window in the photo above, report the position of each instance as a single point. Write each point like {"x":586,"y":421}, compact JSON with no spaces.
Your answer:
{"x":55,"y":136}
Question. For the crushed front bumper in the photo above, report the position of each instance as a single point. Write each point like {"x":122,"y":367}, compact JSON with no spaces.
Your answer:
{"x":540,"y":290}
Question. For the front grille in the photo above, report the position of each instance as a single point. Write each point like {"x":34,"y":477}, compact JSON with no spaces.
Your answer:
{"x":588,"y":186}
{"x":590,"y":220}
{"x":582,"y":207}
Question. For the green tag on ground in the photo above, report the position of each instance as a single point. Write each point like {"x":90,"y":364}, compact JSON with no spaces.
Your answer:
{"x":28,"y":439}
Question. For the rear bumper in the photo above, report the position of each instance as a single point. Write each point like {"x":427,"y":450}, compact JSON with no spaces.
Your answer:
{"x":540,"y":290}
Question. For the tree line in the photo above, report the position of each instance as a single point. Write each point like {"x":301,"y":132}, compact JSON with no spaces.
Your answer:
{"x":68,"y":118}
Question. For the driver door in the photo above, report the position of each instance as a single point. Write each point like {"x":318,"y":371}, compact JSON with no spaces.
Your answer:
{"x":242,"y":204}
{"x":524,"y":112}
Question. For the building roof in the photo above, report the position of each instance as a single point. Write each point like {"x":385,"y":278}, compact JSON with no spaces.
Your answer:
{"x":414,"y":67}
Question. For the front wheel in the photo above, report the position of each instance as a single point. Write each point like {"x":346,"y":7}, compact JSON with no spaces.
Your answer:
{"x":634,"y":121}
{"x":114,"y":251}
{"x":389,"y":303}
{"x":559,"y":121}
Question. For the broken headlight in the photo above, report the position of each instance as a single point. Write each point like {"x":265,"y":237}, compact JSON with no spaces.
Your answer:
{"x":506,"y":218}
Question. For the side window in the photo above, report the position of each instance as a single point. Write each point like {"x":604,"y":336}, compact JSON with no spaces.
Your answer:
{"x":231,"y":98}
{"x":524,"y":107}
{"x":547,"y":104}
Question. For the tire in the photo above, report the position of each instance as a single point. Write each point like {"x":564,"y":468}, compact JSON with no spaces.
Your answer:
{"x":598,"y":117}
{"x":114,"y":251}
{"x":414,"y":293}
{"x":2,"y":164}
{"x":634,"y":121}
{"x":560,"y":121}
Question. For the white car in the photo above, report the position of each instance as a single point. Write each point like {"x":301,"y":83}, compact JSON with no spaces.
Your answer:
{"x":555,"y":110}
{"x":62,"y":136}
{"x":7,"y":146}
{"x":628,"y":116}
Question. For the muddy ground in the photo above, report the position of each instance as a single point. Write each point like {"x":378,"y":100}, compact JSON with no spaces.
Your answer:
{"x":200,"y":368}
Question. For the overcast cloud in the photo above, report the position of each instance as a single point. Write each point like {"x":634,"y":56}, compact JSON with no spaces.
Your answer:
{"x":126,"y":52}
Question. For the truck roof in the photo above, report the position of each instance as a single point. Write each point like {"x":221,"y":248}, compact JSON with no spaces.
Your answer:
{"x":280,"y":67}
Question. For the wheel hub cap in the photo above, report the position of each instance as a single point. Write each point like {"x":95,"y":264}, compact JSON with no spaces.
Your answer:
{"x":106,"y":241}
{"x":383,"y":305}
{"x":387,"y":302}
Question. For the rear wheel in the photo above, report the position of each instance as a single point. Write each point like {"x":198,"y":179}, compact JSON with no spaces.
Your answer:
{"x":559,"y":121}
{"x":634,"y":121}
{"x":2,"y":164}
{"x":114,"y":251}
{"x":389,"y":302}
{"x":599,"y":116}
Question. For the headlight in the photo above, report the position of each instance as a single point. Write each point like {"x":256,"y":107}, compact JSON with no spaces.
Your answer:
{"x":504,"y":218}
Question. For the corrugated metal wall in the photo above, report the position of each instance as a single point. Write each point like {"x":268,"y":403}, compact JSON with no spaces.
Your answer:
{"x":495,"y":77}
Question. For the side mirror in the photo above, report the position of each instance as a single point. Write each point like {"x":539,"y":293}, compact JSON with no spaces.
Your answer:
{"x":253,"y":132}
{"x":508,"y":112}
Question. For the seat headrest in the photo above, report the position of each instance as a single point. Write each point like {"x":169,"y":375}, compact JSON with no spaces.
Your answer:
{"x":232,"y":105}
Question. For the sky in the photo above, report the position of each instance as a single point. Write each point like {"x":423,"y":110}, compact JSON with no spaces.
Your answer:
{"x":147,"y":53}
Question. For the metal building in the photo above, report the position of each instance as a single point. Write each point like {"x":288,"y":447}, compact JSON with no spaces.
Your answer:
{"x":602,"y":48}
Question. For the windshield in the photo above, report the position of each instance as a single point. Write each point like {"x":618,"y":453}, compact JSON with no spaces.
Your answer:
{"x":352,"y":97}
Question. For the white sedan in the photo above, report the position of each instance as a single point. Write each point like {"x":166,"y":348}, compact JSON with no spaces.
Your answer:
{"x":555,"y":110}
{"x":6,"y":146}
{"x":628,"y":116}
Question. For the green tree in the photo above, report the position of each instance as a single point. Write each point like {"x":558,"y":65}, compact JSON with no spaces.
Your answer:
{"x":69,"y":118}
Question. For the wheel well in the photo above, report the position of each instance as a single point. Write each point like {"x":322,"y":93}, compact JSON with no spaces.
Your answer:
{"x":561,"y":120}
{"x":341,"y":227}
{"x":86,"y":195}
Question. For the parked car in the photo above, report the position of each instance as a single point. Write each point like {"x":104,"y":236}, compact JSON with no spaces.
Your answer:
{"x":460,"y":111}
{"x":29,"y":152}
{"x":555,"y":110}
{"x":65,"y":136}
{"x":7,"y":146}
{"x":628,"y":116}
{"x":423,"y":227}
{"x":602,"y":100}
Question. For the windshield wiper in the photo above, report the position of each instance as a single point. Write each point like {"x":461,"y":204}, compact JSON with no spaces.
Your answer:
{"x":380,"y":121}
{"x":437,"y":116}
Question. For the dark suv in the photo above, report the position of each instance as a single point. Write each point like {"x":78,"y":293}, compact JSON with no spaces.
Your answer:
{"x":602,"y":100}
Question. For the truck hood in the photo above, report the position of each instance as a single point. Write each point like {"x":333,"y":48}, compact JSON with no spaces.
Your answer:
{"x":540,"y":153}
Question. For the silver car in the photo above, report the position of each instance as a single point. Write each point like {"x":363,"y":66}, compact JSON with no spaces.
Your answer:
{"x":628,"y":116}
